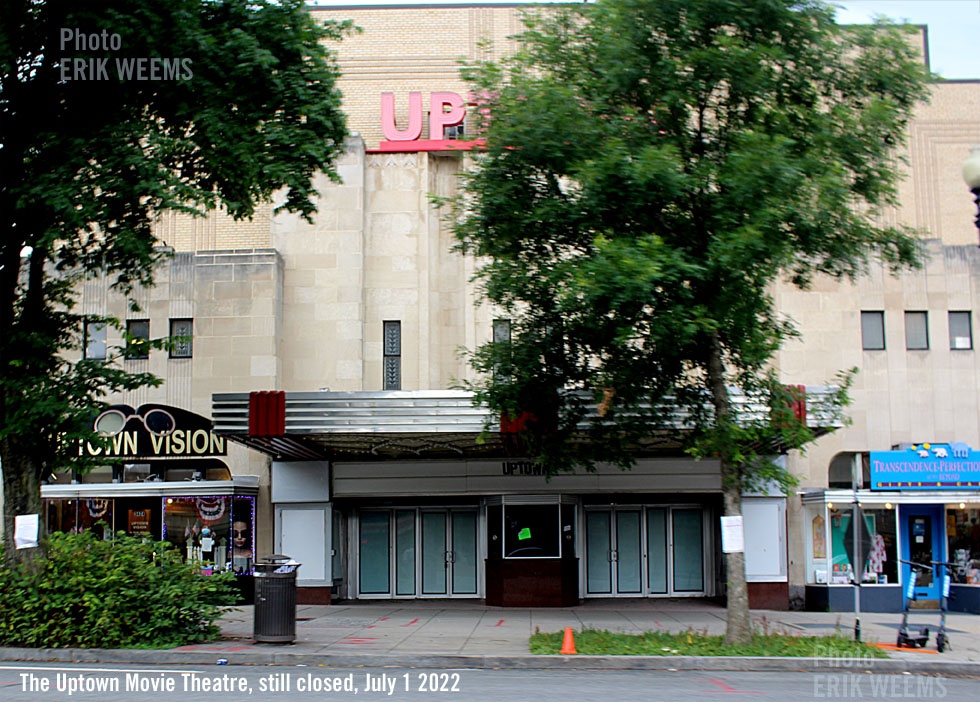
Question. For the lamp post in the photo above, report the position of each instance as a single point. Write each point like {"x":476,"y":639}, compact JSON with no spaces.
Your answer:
{"x":971,"y":174}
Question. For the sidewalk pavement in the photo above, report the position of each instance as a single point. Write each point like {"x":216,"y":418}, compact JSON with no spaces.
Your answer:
{"x":468,"y":634}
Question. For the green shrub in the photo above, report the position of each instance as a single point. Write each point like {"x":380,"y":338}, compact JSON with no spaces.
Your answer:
{"x":124,"y":593}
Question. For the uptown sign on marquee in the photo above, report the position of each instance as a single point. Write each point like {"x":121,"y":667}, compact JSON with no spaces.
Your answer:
{"x":446,"y":109}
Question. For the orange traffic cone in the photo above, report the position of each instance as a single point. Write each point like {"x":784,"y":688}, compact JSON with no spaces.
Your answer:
{"x":568,"y":645}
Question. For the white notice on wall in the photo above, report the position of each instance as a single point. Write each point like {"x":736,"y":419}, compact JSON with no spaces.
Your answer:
{"x":25,"y":531}
{"x":732,"y":535}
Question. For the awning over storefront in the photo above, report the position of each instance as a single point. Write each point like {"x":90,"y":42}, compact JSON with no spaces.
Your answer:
{"x":244,"y":485}
{"x":877,"y":497}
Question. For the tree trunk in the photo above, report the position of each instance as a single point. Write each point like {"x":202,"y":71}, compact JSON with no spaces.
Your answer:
{"x":21,"y":495}
{"x":739,"y":624}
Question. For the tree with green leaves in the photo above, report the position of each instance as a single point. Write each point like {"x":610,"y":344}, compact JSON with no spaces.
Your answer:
{"x":651,"y":170}
{"x":112,"y":113}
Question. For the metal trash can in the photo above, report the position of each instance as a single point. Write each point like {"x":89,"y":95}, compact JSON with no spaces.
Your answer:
{"x":275,"y":599}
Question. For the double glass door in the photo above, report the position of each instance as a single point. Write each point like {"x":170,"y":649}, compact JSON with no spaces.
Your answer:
{"x":644,"y":551}
{"x":417,"y":552}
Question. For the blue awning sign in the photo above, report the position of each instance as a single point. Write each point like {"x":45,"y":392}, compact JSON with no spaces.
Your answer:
{"x":952,"y":466}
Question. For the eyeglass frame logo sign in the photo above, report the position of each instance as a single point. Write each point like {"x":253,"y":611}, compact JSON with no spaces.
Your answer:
{"x":143,"y":419}
{"x":189,"y":434}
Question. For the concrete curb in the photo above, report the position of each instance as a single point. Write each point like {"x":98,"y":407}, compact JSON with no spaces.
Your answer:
{"x":667,"y":663}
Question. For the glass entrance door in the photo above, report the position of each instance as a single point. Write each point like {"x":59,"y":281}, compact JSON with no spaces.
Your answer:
{"x":687,"y":548}
{"x":418,"y":552}
{"x":921,"y":543}
{"x":644,"y":551}
{"x":614,"y":552}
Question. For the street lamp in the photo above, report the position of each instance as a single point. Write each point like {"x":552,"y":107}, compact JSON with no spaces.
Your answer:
{"x":971,"y":174}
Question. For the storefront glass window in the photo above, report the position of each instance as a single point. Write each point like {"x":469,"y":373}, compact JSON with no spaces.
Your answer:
{"x":815,"y":533}
{"x":881,"y":563}
{"x":200,"y":528}
{"x":95,"y":515}
{"x":963,"y":537}
{"x":243,"y":534}
{"x":62,"y":515}
{"x":532,"y":531}
{"x":139,"y":516}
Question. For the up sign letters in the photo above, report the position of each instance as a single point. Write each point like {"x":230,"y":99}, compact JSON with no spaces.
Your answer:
{"x":408,"y":139}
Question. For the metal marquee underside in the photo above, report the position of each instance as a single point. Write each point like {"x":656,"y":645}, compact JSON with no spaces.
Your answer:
{"x":429,"y":423}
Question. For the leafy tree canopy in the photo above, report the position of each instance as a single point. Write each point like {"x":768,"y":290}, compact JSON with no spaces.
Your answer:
{"x":112,"y":112}
{"x":652,"y":169}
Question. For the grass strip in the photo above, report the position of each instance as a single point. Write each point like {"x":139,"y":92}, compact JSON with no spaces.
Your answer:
{"x":661,"y":643}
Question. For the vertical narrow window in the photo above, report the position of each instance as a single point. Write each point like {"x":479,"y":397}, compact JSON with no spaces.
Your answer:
{"x":392,"y":355}
{"x":916,"y":331}
{"x":960,"y":331}
{"x":182,"y":338}
{"x":138,"y":331}
{"x":501,"y":331}
{"x":95,"y":340}
{"x":501,"y":335}
{"x":873,"y":331}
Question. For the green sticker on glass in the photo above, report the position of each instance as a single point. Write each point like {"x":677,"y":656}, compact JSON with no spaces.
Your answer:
{"x":524,"y":533}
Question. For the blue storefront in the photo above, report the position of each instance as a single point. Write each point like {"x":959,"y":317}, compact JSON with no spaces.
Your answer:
{"x":920,"y":504}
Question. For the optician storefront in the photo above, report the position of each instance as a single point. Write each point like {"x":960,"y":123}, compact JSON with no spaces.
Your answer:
{"x":920,"y":504}
{"x":165,"y":478}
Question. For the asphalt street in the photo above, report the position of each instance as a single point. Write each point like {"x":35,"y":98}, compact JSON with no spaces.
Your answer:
{"x":45,"y":682}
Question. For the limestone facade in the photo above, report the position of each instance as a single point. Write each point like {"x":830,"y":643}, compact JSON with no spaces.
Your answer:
{"x":279,"y":303}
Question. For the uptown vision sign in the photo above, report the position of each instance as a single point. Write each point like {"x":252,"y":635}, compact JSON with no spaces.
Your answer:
{"x":152,"y":431}
{"x":953,"y":466}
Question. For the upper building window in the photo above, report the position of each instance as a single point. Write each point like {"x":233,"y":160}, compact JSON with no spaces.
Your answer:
{"x":95,"y":340}
{"x":501,"y":335}
{"x":393,"y":355}
{"x":960,"y":331}
{"x":138,"y":337}
{"x":916,"y":331}
{"x":501,"y":331}
{"x":873,"y":331}
{"x":182,"y":337}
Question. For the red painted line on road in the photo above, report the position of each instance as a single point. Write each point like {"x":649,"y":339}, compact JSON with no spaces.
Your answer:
{"x":370,"y":626}
{"x":726,"y":689}
{"x":499,"y":623}
{"x":893,"y":647}
{"x":358,"y":640}
{"x":383,"y":619}
{"x":410,"y":623}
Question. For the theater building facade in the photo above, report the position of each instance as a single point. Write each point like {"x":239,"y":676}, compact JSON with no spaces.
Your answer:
{"x":419,"y":494}
{"x":325,"y":353}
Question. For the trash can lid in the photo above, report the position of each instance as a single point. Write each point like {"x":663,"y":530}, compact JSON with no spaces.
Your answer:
{"x":273,"y":558}
{"x":276,"y":563}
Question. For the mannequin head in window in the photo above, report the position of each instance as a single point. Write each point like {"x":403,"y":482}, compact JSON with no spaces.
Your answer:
{"x":240,"y":538}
